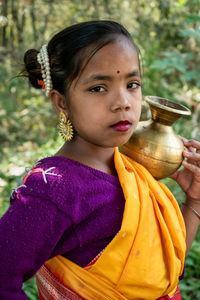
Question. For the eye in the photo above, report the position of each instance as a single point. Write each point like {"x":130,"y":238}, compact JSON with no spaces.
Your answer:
{"x":133,"y":85}
{"x":97,"y":89}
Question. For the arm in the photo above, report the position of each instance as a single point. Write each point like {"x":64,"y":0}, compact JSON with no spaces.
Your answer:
{"x":192,"y":221}
{"x":189,"y":180}
{"x":29,"y":232}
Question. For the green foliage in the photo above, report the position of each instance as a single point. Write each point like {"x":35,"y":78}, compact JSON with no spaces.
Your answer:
{"x":179,"y":62}
{"x":168,"y":35}
{"x":30,"y":289}
{"x":192,"y":33}
{"x":190,"y":286}
{"x":172,"y":62}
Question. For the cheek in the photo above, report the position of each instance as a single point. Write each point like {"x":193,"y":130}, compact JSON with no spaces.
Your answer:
{"x":82,"y":117}
{"x":137,"y":106}
{"x":88,"y":111}
{"x":140,"y":107}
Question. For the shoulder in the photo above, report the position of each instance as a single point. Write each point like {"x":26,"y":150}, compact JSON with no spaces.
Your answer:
{"x":48,"y":178}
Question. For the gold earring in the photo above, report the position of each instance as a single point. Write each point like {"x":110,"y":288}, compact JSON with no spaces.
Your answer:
{"x":65,"y":128}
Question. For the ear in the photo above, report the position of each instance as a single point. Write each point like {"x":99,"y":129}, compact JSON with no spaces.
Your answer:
{"x":58,"y":101}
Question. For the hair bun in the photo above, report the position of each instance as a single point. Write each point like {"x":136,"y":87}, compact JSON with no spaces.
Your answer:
{"x":32,"y":68}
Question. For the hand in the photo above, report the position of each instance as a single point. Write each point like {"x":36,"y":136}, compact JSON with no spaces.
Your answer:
{"x":189,"y":177}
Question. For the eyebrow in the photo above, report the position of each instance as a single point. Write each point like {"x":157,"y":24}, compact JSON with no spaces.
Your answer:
{"x":96,"y":77}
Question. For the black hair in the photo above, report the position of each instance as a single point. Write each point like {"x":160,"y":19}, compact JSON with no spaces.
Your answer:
{"x":68,"y":51}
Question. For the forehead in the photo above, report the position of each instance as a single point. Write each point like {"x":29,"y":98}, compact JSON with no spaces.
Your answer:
{"x":117,"y":55}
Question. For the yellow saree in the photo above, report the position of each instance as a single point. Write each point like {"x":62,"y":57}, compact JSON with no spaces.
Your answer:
{"x":146,"y":257}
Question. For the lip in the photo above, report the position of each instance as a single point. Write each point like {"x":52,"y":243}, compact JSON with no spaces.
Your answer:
{"x":122,"y":126}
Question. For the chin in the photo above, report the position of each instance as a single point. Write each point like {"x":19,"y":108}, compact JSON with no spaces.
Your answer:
{"x":124,"y":140}
{"x":120,"y":142}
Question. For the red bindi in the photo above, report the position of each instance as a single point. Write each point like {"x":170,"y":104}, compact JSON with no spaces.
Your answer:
{"x":118,"y":71}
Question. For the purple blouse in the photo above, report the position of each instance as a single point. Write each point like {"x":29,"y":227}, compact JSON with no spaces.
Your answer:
{"x":62,"y":207}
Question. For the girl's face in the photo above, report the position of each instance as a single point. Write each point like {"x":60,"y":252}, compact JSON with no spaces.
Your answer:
{"x":105,"y":102}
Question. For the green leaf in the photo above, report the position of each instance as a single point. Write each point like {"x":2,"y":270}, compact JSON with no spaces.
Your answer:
{"x":192,"y":18}
{"x":194,"y":33}
{"x":189,"y":75}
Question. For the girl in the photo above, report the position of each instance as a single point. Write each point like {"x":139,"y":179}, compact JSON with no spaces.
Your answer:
{"x":89,"y":221}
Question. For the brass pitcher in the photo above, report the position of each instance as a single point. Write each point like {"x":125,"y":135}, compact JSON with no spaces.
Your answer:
{"x":154,"y":144}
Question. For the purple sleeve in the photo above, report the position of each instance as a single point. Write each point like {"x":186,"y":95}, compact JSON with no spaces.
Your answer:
{"x":29,"y":231}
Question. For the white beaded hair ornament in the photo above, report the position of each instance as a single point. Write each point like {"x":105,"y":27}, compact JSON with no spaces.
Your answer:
{"x":43,"y":60}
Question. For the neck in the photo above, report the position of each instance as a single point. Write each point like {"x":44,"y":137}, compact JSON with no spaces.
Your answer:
{"x":92,"y":155}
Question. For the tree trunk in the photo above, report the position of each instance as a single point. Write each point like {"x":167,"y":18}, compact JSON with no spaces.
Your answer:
{"x":4,"y":28}
{"x":19,"y":17}
{"x":33,"y":20}
{"x":46,"y":17}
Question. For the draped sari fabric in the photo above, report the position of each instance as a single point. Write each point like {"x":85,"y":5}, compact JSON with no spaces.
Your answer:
{"x":143,"y":261}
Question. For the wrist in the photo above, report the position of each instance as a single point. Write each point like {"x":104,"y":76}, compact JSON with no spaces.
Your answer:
{"x":193,"y":202}
{"x":192,"y":207}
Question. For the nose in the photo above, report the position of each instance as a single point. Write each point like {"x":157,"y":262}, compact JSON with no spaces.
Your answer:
{"x":120,"y":102}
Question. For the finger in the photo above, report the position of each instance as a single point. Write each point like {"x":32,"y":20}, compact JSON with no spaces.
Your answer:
{"x":192,"y":149}
{"x":184,"y":140}
{"x":187,"y":145}
{"x":187,"y":149}
{"x":193,"y":168}
{"x":193,"y":156}
{"x":191,"y":161}
{"x":192,"y":143}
